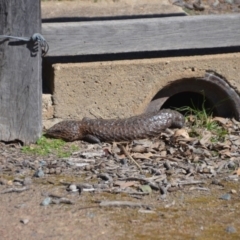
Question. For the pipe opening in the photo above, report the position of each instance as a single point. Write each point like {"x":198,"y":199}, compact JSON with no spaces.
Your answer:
{"x":193,"y":100}
{"x":211,"y":92}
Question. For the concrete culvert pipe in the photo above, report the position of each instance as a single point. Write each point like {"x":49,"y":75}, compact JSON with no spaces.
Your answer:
{"x":212,"y":91}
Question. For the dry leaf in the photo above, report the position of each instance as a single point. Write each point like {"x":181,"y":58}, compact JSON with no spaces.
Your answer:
{"x":163,"y":153}
{"x":145,"y":188}
{"x":142,"y":156}
{"x":237,"y":171}
{"x":156,"y":145}
{"x":124,"y":184}
{"x":92,"y":154}
{"x":225,"y":152}
{"x":206,"y":137}
{"x":139,"y":149}
{"x":181,"y":133}
{"x":221,"y":120}
{"x":144,"y":142}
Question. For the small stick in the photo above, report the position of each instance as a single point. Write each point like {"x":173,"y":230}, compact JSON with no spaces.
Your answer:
{"x":130,"y":157}
{"x":148,"y":180}
{"x":82,"y":208}
{"x":150,"y":183}
{"x":124,"y":191}
{"x":190,"y":182}
{"x":17,"y":190}
{"x":52,"y":195}
{"x":96,"y":115}
{"x":123,"y":204}
{"x":62,"y":200}
{"x":171,"y":159}
{"x":199,"y":188}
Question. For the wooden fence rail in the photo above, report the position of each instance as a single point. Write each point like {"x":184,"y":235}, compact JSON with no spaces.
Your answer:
{"x":140,"y":35}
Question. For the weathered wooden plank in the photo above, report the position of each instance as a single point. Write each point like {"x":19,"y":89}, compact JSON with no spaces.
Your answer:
{"x":20,"y":72}
{"x":138,"y":35}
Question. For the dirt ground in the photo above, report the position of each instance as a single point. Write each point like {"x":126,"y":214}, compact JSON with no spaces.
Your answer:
{"x":184,"y":214}
{"x":105,"y":8}
{"x":207,"y":207}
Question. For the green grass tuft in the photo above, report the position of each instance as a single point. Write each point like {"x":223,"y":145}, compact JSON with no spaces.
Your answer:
{"x":45,"y":146}
{"x":200,"y":119}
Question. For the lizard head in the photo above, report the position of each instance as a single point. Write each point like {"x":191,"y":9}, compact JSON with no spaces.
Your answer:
{"x":66,"y":130}
{"x":178,"y":120}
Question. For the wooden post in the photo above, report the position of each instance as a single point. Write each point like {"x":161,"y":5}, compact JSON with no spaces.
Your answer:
{"x":20,"y":73}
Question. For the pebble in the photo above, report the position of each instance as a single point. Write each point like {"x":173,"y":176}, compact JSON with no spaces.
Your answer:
{"x":24,"y":220}
{"x":25,"y":163}
{"x":230,"y":229}
{"x":39,"y":173}
{"x":54,"y":162}
{"x":229,"y":1}
{"x":3,"y":181}
{"x":233,"y":191}
{"x":90,"y":215}
{"x":27,"y":181}
{"x":226,"y":196}
{"x":231,"y":165}
{"x":58,"y":170}
{"x":102,"y":165}
{"x":52,"y":170}
{"x":42,"y":163}
{"x":46,"y":201}
{"x":22,"y":205}
{"x":72,"y":188}
{"x":216,"y":3}
{"x":124,"y":161}
{"x":88,"y":168}
{"x":217,"y":182}
{"x":101,"y":186}
{"x":105,"y":177}
{"x":146,"y":211}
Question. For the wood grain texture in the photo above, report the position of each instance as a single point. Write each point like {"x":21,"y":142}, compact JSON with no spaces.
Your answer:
{"x":139,"y":35}
{"x":20,"y":73}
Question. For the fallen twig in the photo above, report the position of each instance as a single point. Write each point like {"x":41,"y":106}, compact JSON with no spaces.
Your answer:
{"x":123,"y":204}
{"x":123,"y":191}
{"x":199,"y":188}
{"x":147,"y":180}
{"x":62,"y":200}
{"x":190,"y":182}
{"x":130,"y":157}
{"x":17,"y":190}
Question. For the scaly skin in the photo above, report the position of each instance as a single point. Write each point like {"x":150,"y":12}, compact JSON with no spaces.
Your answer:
{"x":108,"y":130}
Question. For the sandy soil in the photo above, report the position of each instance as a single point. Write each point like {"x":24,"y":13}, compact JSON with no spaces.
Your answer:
{"x":182,"y":215}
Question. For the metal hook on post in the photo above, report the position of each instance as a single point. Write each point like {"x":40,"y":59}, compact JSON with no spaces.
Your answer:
{"x":36,"y":38}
